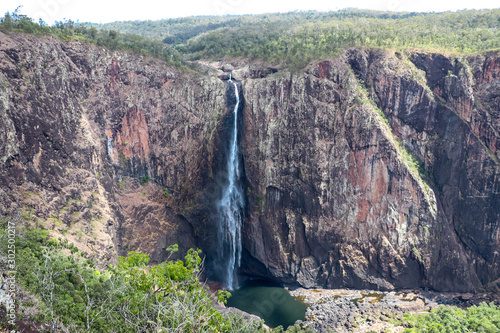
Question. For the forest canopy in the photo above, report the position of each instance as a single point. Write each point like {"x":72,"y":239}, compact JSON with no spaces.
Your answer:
{"x":294,"y":38}
{"x":299,"y":37}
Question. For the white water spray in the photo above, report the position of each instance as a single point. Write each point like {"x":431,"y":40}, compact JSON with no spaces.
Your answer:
{"x":231,"y":205}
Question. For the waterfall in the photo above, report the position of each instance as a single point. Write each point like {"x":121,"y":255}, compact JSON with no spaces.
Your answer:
{"x":109,"y":146}
{"x":230,"y":207}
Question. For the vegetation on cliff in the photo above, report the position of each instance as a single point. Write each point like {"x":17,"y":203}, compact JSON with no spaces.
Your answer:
{"x":294,"y":38}
{"x":69,"y":30}
{"x":297,"y":38}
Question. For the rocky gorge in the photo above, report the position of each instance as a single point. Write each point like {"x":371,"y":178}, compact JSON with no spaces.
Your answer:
{"x":376,"y":169}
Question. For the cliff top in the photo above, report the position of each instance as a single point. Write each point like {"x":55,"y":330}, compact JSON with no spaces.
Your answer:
{"x":291,"y":39}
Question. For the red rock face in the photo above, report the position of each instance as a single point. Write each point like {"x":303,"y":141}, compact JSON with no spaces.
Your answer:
{"x":323,"y":69}
{"x":339,"y":208}
{"x":132,"y":137}
{"x":113,"y":73}
{"x":490,"y":70}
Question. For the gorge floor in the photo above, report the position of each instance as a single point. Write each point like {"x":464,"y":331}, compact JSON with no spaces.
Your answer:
{"x":346,"y":310}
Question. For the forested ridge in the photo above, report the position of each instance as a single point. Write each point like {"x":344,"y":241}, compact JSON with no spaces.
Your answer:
{"x":293,"y":39}
{"x":180,"y":30}
{"x":299,"y":37}
{"x":69,"y":30}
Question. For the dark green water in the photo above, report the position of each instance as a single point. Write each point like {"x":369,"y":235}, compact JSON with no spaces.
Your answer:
{"x":269,"y":302}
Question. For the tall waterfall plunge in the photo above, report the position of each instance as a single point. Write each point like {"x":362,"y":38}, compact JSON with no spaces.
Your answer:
{"x":230,"y":207}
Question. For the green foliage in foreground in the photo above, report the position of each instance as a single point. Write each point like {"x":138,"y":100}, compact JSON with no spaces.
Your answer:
{"x":128,"y":297}
{"x":112,"y":39}
{"x":483,"y":318}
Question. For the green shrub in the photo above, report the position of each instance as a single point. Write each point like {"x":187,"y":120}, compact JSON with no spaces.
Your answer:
{"x":145,"y":179}
{"x":482,"y":318}
{"x":127,"y":297}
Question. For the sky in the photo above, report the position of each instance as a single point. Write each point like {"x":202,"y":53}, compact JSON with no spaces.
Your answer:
{"x":102,"y":11}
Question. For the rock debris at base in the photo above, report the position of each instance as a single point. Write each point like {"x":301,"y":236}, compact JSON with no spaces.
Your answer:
{"x":343,"y":310}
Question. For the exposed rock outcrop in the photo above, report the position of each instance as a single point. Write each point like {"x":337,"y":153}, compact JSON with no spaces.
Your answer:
{"x":334,"y":203}
{"x":362,"y":311}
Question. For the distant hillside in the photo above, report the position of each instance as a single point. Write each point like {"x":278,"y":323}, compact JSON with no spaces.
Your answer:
{"x":293,"y":39}
{"x":173,"y":31}
{"x":299,"y":37}
{"x":180,"y":30}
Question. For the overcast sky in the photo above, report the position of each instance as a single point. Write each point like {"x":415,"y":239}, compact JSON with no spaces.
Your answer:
{"x":102,"y":11}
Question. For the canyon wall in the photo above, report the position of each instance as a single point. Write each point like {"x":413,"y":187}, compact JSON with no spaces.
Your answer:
{"x":82,"y":127}
{"x":375,"y":169}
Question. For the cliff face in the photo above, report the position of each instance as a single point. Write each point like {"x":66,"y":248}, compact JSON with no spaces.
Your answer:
{"x":335,"y":203}
{"x":451,"y":124}
{"x":82,"y":125}
{"x":332,"y":200}
{"x":339,"y":206}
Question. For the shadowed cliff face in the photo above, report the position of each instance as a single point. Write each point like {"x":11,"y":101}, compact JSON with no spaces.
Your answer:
{"x":334,"y":205}
{"x":448,"y":115}
{"x":339,"y":207}
{"x":332,"y":201}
